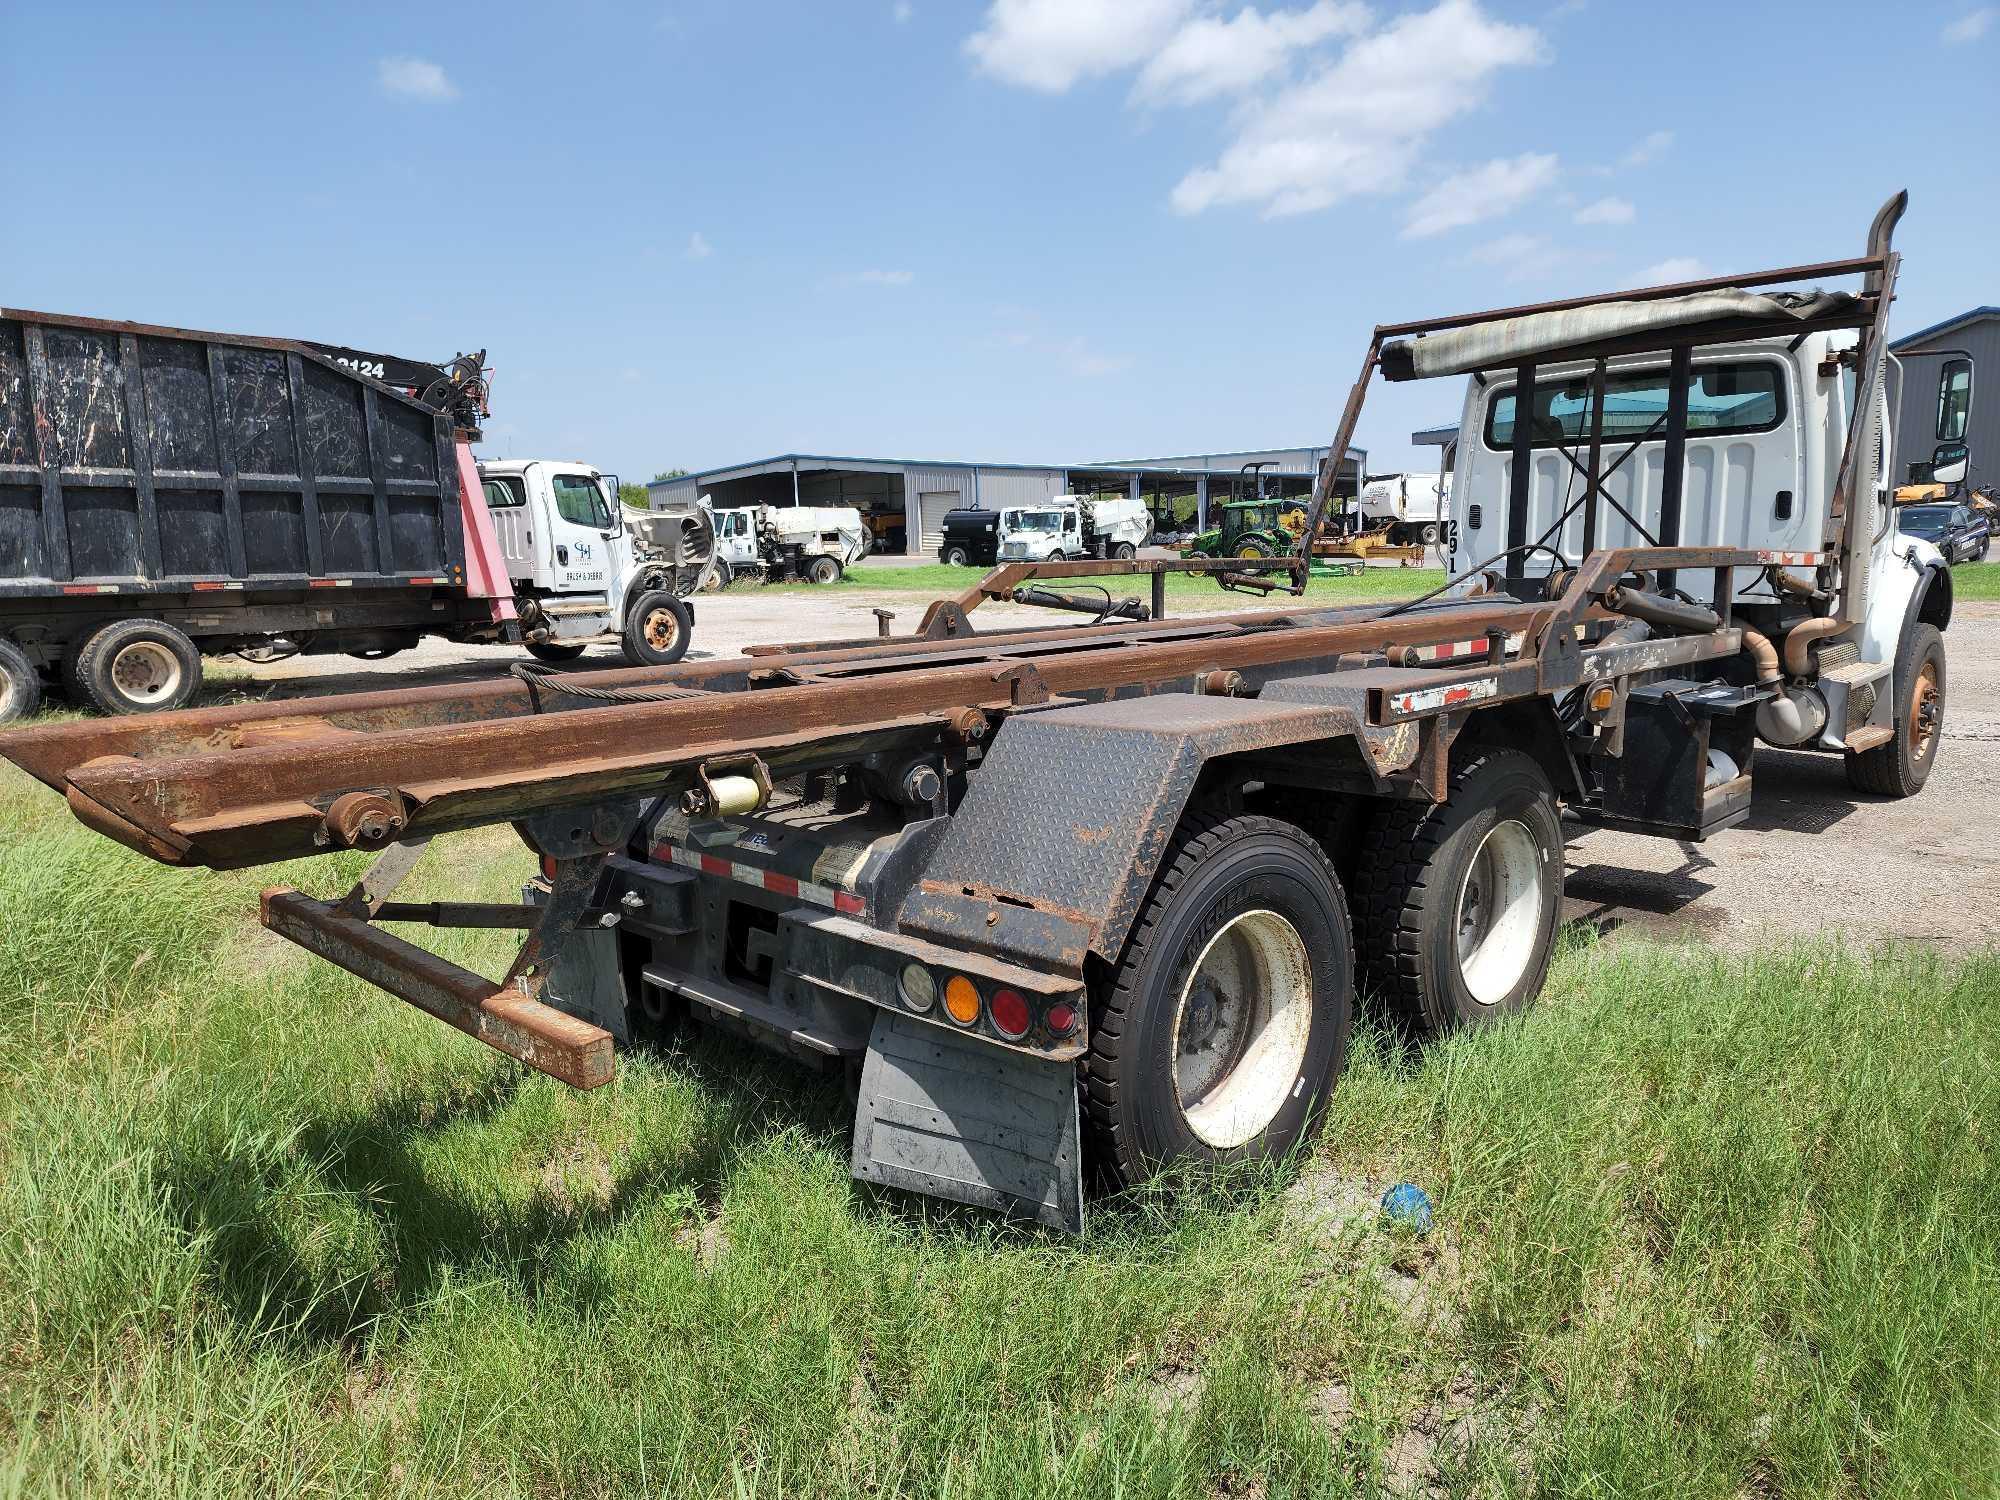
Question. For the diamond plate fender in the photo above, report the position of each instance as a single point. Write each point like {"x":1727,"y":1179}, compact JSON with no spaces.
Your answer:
{"x":957,"y":1118}
{"x":1057,"y":840}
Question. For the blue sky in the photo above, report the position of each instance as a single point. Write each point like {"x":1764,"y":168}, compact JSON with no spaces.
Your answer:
{"x":693,"y":232}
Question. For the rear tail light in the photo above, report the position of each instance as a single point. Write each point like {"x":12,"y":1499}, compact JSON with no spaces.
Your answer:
{"x":1060,"y":1019}
{"x":961,"y":1000}
{"x":919,"y":990}
{"x":1011,"y":1017}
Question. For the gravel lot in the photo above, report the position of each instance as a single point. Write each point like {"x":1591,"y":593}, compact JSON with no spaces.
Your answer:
{"x":1813,"y":859}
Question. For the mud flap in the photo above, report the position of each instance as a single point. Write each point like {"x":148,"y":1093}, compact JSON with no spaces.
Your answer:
{"x":962,"y":1119}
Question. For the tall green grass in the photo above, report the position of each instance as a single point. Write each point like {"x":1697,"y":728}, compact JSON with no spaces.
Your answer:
{"x":1706,"y":1226}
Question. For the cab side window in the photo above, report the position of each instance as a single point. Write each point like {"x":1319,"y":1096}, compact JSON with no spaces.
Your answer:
{"x":501,"y":493}
{"x":580,"y":501}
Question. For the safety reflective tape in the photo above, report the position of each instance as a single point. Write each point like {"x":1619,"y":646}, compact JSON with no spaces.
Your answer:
{"x":845,"y":902}
{"x":1444,"y":695}
{"x":208,"y":586}
{"x":330,"y":583}
{"x":1793,"y":559}
{"x":90,"y":588}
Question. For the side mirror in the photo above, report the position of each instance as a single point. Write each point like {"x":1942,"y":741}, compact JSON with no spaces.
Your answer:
{"x":1949,"y":462}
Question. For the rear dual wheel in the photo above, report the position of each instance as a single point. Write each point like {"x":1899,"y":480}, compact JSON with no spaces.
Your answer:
{"x":1456,"y":903}
{"x":1221,"y":1034}
{"x":20,"y":684}
{"x":133,"y":667}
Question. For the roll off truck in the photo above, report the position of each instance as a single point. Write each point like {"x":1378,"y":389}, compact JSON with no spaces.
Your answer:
{"x":1085,"y":902}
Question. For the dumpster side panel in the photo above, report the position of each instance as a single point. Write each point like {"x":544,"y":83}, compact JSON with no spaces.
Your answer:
{"x":147,"y":460}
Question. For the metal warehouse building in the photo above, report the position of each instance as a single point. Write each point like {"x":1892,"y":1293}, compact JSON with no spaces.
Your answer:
{"x":905,"y":500}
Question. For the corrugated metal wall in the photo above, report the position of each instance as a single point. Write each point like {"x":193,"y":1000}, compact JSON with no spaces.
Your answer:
{"x":1917,"y":408}
{"x":1004,"y":487}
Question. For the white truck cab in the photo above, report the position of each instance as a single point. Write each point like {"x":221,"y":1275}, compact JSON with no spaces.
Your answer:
{"x":1074,"y":526}
{"x":576,"y":568}
{"x":1766,"y":424}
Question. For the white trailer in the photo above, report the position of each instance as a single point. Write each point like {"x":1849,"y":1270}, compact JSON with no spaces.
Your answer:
{"x":1411,"y":508}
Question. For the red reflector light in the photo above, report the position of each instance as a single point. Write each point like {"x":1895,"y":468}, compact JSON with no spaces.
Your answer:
{"x":548,"y":867}
{"x":1010,"y":1014}
{"x":1061,"y":1018}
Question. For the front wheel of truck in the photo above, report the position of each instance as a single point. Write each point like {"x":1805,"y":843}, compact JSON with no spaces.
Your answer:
{"x":657,"y":630}
{"x":1901,"y":766}
{"x":1456,"y":903}
{"x":1221,"y":1034}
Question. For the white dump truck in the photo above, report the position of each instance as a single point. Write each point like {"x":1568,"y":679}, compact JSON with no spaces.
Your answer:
{"x":1070,"y":527}
{"x":816,"y":543}
{"x":1410,"y":508}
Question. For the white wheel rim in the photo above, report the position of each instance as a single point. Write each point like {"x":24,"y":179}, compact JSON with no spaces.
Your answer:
{"x":1498,"y":917}
{"x":146,"y":672}
{"x":1240,"y":1028}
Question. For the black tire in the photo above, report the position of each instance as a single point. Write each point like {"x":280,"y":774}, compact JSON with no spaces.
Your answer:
{"x":724,"y":574}
{"x":20,"y":684}
{"x":553,"y":651}
{"x":1124,"y":552}
{"x":1416,"y":889}
{"x":1253,"y":548}
{"x":1220,"y":877}
{"x":1900,"y":767}
{"x":657,"y":630}
{"x":1430,"y":536}
{"x":823,"y":570}
{"x":956,"y":556}
{"x":134,"y":667}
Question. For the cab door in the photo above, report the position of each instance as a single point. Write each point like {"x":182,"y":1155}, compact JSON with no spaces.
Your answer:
{"x":582,"y":530}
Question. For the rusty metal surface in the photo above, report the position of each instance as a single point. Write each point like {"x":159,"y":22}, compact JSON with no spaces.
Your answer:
{"x":1109,"y":783}
{"x":545,"y":1039}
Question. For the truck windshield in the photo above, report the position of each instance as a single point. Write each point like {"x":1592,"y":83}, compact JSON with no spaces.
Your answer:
{"x":1033,"y":520}
{"x":580,"y":501}
{"x":1721,"y":399}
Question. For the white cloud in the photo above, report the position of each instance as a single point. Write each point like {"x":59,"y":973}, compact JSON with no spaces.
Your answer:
{"x":413,"y":78}
{"x":1607,"y":211}
{"x":1497,"y":188}
{"x":1674,"y":268}
{"x":1518,"y":257}
{"x":885,"y":278}
{"x":1358,"y":124}
{"x":1651,"y":149}
{"x":1050,"y":44}
{"x":902,"y":11}
{"x":1210,"y":57}
{"x":1971,"y":26}
{"x":699,"y":247}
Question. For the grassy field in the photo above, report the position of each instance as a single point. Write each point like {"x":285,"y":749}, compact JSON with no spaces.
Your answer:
{"x":1705,"y":1228}
{"x":1971,"y":581}
{"x":1976,"y":581}
{"x":937,"y":578}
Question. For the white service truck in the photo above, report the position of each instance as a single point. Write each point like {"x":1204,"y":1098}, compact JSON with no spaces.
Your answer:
{"x":1411,"y":508}
{"x":582,"y":573}
{"x":816,"y":543}
{"x":1074,"y":526}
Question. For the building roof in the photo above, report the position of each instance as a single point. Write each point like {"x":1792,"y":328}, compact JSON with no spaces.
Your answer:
{"x":785,"y":462}
{"x":1434,"y":437}
{"x":1925,"y":335}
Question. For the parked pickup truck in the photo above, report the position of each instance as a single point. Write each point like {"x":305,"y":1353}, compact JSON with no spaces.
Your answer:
{"x":166,"y":493}
{"x":1097,"y":902}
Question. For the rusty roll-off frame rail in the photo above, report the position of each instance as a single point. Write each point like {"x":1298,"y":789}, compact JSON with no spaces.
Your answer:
{"x":227,"y":788}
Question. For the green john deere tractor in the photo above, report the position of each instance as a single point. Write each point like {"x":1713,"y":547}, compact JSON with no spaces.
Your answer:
{"x":1252,"y":528}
